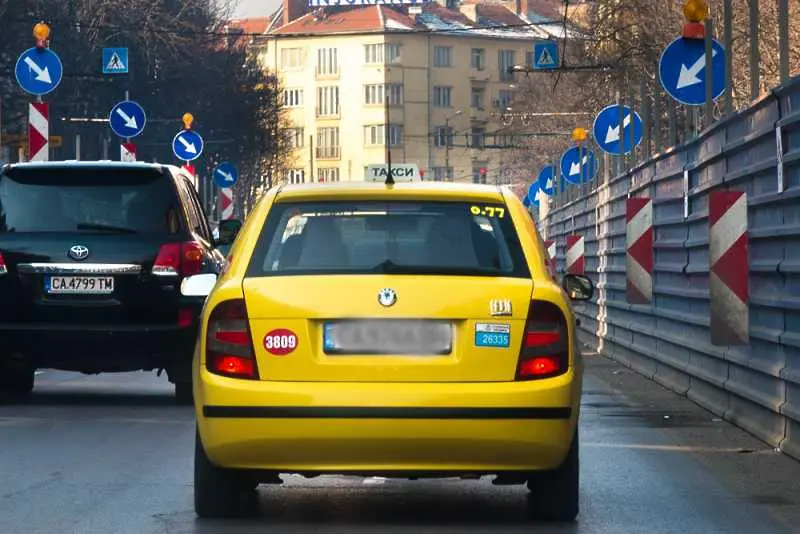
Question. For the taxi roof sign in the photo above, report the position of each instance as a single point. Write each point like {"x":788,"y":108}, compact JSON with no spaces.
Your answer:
{"x":400,"y":172}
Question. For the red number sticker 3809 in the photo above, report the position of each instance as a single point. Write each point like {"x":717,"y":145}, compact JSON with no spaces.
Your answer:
{"x":280,"y":341}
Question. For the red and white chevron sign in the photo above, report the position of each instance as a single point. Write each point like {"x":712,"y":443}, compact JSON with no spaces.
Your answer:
{"x":38,"y":131}
{"x":575,"y":255}
{"x":127,"y":152}
{"x":729,"y":268}
{"x":639,"y":244}
{"x":550,"y":246}
{"x":226,"y":203}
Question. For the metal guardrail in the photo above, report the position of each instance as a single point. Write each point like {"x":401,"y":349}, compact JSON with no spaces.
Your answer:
{"x":756,"y":385}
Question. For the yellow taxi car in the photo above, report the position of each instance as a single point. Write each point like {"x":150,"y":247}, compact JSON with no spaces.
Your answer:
{"x":398,"y":330}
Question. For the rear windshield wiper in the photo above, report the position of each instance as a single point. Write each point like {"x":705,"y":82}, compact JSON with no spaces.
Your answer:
{"x":390,"y":267}
{"x":106,"y":228}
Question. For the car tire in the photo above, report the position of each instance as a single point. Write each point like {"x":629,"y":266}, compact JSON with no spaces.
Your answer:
{"x":184,"y":393}
{"x":17,"y":383}
{"x":554,"y":495}
{"x":218,"y":492}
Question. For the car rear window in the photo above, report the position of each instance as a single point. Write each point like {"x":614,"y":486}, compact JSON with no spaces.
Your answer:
{"x":397,"y":237}
{"x":88,"y":200}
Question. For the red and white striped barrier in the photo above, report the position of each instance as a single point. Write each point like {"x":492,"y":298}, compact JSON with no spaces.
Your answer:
{"x":575,"y":255}
{"x":639,"y":244}
{"x":127,"y":152}
{"x":550,"y":247}
{"x":226,"y":203}
{"x":38,"y":131}
{"x":729,"y":268}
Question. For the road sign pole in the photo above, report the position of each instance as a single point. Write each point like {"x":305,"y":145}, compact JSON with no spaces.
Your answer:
{"x":709,"y":53}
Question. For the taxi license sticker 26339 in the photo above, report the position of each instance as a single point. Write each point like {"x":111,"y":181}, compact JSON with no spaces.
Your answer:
{"x":493,"y":335}
{"x":280,"y":341}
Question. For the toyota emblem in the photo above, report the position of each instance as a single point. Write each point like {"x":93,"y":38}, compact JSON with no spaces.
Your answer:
{"x":78,"y":252}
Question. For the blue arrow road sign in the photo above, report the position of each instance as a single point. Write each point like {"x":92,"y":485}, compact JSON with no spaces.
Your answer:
{"x":547,"y":180}
{"x":115,"y":61}
{"x":127,"y":119}
{"x":608,"y":135}
{"x":533,"y":193}
{"x":682,"y":70}
{"x":187,"y":145}
{"x":578,"y":165}
{"x":526,"y":201}
{"x":545,"y":55}
{"x":39,"y":71}
{"x":225,"y":175}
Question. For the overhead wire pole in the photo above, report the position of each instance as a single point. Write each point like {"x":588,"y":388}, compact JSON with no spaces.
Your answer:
{"x":387,"y":137}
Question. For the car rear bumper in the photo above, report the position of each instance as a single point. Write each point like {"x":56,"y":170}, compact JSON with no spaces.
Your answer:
{"x":100,"y":348}
{"x":389,"y":428}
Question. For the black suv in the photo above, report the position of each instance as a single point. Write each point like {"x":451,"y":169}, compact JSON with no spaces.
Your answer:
{"x":92,"y":255}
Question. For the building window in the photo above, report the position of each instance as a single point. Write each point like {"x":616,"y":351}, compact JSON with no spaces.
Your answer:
{"x":328,"y":174}
{"x":529,"y":58}
{"x":295,"y":176}
{"x":327,"y":61}
{"x":293,"y":98}
{"x":504,"y":98}
{"x":476,"y":98}
{"x":381,"y":53}
{"x":328,"y":143}
{"x":478,"y":138}
{"x":443,"y":56}
{"x":375,"y":135}
{"x":443,"y":174}
{"x":376,"y":94}
{"x":328,"y":101}
{"x":292,"y":58}
{"x":505,"y":60}
{"x":442,"y":136}
{"x":296,"y":137}
{"x":478,"y":59}
{"x":442,"y":96}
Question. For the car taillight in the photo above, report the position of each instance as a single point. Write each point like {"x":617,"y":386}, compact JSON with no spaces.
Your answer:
{"x":545,"y":346}
{"x":179,"y":259}
{"x":3,"y":268}
{"x":229,"y":347}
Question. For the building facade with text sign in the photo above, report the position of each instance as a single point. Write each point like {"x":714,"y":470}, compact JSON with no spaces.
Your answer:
{"x":437,"y":75}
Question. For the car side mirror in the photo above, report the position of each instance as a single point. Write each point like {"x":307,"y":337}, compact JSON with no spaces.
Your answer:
{"x":199,"y":285}
{"x":578,"y":287}
{"x":228,"y":230}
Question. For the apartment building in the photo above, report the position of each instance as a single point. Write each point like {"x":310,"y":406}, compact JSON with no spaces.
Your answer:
{"x":420,"y":84}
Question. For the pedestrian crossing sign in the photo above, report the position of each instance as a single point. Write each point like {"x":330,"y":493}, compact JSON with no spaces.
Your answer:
{"x":115,"y":60}
{"x":545,"y":55}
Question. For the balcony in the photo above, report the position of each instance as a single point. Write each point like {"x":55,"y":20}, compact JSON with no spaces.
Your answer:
{"x":476,"y":75}
{"x":328,"y":152}
{"x":478,"y":115}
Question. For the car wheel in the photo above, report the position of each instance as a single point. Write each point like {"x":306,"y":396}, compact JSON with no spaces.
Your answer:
{"x":554,"y":494}
{"x":17,"y":383}
{"x":183,"y":393}
{"x":218,"y":492}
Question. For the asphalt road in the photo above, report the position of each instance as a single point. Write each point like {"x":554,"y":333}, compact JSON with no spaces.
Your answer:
{"x":112,"y":454}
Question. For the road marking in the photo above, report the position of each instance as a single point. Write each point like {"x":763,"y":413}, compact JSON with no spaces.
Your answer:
{"x":374,"y":480}
{"x":39,"y":373}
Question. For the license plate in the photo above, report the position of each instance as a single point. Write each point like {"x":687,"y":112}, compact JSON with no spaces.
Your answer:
{"x":497,"y":335}
{"x":79,"y":285}
{"x":388,"y":337}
